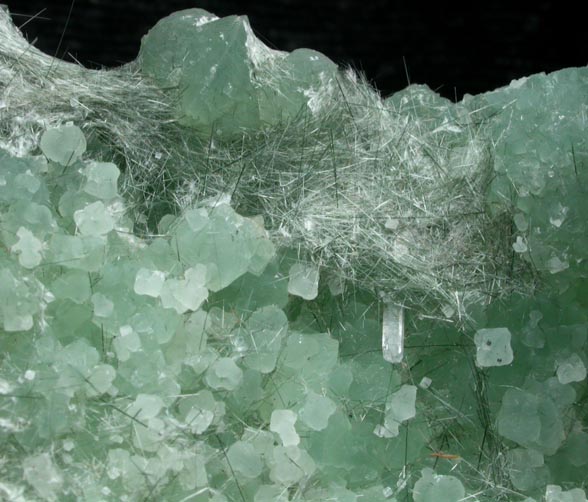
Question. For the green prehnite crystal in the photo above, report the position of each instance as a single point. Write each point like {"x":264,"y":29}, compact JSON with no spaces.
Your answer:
{"x":226,"y":243}
{"x":303,"y":281}
{"x":73,"y":284}
{"x":183,"y":294}
{"x":63,"y":145}
{"x":94,"y":219}
{"x":237,"y":82}
{"x":224,"y":374}
{"x":289,"y":464}
{"x":263,"y":335}
{"x":399,"y":408}
{"x":555,"y":493}
{"x":317,"y":410}
{"x":282,"y":423}
{"x":28,"y":248}
{"x":527,"y":469}
{"x":149,"y":282}
{"x":245,"y":459}
{"x":571,"y":369}
{"x":271,"y":493}
{"x":43,"y":475}
{"x":101,"y":180}
{"x":493,"y":347}
{"x":433,"y":487}
{"x":577,"y":448}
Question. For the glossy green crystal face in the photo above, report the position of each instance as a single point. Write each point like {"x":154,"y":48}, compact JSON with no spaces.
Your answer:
{"x":217,"y":359}
{"x":227,"y":80}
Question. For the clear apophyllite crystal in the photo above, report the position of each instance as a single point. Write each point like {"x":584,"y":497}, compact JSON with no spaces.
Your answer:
{"x":527,"y":468}
{"x":103,"y":307}
{"x":393,"y":333}
{"x":200,"y":411}
{"x":271,"y":493}
{"x":531,"y":420}
{"x":100,"y":379}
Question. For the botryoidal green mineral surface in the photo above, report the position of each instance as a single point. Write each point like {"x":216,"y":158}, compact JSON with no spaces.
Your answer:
{"x":320,"y":348}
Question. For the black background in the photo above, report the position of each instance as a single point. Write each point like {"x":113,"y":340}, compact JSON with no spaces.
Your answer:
{"x":453,"y":48}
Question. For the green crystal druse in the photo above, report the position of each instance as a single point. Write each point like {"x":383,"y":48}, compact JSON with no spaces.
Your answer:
{"x":284,"y":287}
{"x":226,"y":78}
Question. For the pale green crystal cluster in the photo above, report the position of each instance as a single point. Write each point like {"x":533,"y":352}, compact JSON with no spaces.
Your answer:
{"x":216,"y":359}
{"x":228,"y":78}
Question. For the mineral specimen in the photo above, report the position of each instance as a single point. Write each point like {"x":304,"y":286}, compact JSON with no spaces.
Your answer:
{"x":210,"y":257}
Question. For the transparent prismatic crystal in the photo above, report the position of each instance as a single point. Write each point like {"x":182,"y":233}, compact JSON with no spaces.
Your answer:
{"x":393,"y":333}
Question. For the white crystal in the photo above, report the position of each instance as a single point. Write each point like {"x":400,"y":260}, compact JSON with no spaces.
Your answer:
{"x":571,"y":369}
{"x":282,"y":423}
{"x":554,"y":493}
{"x":520,"y":246}
{"x":399,"y":408}
{"x":432,"y":487}
{"x":493,"y":347}
{"x":94,"y":219}
{"x":149,"y":282}
{"x":303,"y":281}
{"x":425,"y":383}
{"x":224,"y":374}
{"x":28,"y":248}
